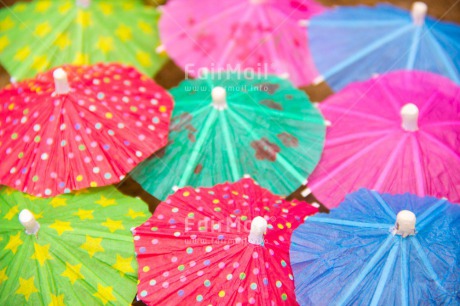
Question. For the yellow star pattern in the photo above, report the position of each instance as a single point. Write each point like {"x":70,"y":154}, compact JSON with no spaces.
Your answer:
{"x":92,"y":245}
{"x":6,"y":23}
{"x":40,"y":62}
{"x":11,"y":213}
{"x":28,"y":196}
{"x":127,"y":6}
{"x":42,"y":6}
{"x":103,"y":201}
{"x":38,"y":216}
{"x":41,"y":253}
{"x":63,"y":41}
{"x":81,"y":58}
{"x":19,"y":7}
{"x":84,"y":214}
{"x":73,"y":272}
{"x":124,"y":32}
{"x":83,"y":18}
{"x":61,"y":226}
{"x":56,"y":300}
{"x":64,"y":8}
{"x":104,"y":294}
{"x":124,"y":265}
{"x":14,"y":242}
{"x":135,"y":214}
{"x":22,"y":54}
{"x":56,"y":202}
{"x":26,"y":287}
{"x":106,"y":8}
{"x":113,"y":225}
{"x":4,"y":42}
{"x":143,"y":58}
{"x":144,"y":26}
{"x":105,"y":44}
{"x":3,"y":276}
{"x":42,"y":29}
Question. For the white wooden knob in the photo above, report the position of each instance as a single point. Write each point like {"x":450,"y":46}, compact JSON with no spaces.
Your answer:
{"x":409,"y":117}
{"x":258,"y":228}
{"x":60,"y":82}
{"x":418,"y":12}
{"x":27,"y":219}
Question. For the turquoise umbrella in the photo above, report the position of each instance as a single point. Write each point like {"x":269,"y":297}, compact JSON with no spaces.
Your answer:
{"x":227,"y":125}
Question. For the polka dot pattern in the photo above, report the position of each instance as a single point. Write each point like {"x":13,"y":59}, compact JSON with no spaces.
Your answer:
{"x":211,"y":261}
{"x":112,"y":119}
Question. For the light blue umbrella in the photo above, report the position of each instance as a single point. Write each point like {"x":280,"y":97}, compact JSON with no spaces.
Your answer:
{"x":352,"y":43}
{"x":379,"y":249}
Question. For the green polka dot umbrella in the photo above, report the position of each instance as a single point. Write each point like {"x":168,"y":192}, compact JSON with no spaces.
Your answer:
{"x":39,"y":35}
{"x":75,"y":249}
{"x":225,"y":245}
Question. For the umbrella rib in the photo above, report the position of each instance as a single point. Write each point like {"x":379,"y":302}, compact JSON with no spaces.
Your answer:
{"x":197,"y":148}
{"x":230,"y":148}
{"x":428,"y":103}
{"x":414,"y":47}
{"x":347,"y":162}
{"x":383,"y":204}
{"x":441,"y":144}
{"x":431,"y":213}
{"x":218,"y":17}
{"x":44,"y":46}
{"x":391,"y":160}
{"x":88,"y":271}
{"x":365,"y":271}
{"x":350,"y":223}
{"x":231,"y":43}
{"x":384,"y":276}
{"x":340,"y":140}
{"x":404,"y":265}
{"x":355,"y":113}
{"x":442,"y":123}
{"x":426,"y":262}
{"x":354,"y":23}
{"x":274,"y":113}
{"x":279,"y":158}
{"x":390,"y":96}
{"x":444,"y":58}
{"x":418,"y":168}
{"x":365,"y":51}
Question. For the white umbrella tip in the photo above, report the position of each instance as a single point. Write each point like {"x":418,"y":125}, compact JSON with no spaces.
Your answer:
{"x":27,"y":219}
{"x":258,"y":228}
{"x":25,"y":216}
{"x":418,"y":12}
{"x":219,"y":97}
{"x":60,"y":81}
{"x":409,"y":117}
{"x":405,"y":223}
{"x":59,"y":73}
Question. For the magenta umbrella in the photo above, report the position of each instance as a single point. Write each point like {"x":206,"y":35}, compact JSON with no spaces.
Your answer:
{"x":396,"y":133}
{"x":259,"y":36}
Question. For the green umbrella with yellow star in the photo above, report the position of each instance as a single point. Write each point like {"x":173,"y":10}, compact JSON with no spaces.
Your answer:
{"x":73,"y":249}
{"x":42,"y":34}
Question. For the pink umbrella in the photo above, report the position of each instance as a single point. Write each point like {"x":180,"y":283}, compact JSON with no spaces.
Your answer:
{"x":396,"y":133}
{"x":261,"y":35}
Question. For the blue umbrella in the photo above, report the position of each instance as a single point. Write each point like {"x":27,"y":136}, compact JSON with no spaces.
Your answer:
{"x":352,"y":43}
{"x":379,"y":249}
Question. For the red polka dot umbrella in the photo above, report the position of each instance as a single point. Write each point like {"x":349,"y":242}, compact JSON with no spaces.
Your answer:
{"x":208,"y":245}
{"x":79,"y":126}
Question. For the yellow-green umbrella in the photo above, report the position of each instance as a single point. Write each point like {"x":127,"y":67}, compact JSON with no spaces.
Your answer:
{"x":75,"y":249}
{"x":42,"y":34}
